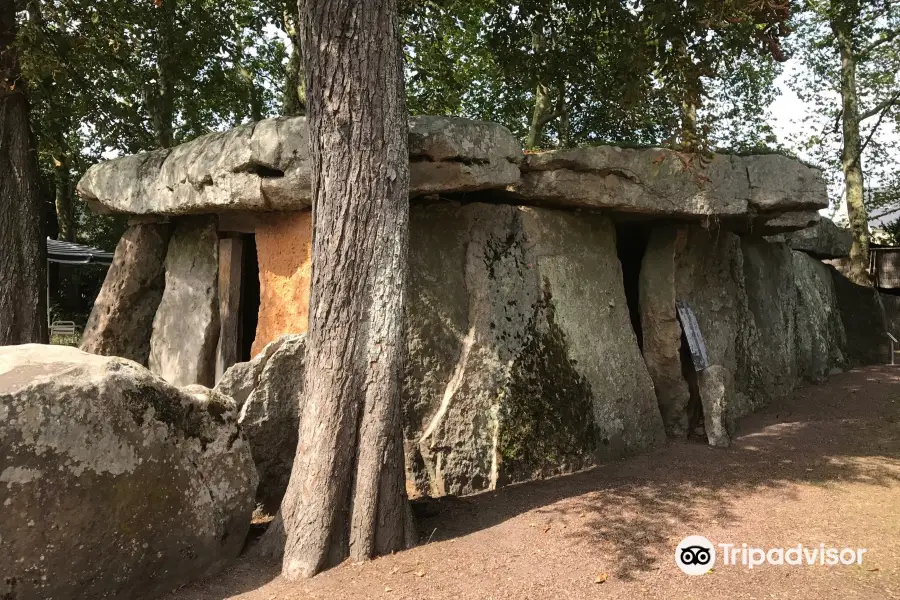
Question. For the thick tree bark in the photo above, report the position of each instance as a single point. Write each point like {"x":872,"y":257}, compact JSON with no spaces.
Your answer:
{"x":851,"y":159}
{"x":23,"y":259}
{"x":347,"y":491}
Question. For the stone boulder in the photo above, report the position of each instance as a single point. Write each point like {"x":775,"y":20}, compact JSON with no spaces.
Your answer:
{"x":115,"y":484}
{"x":270,"y":412}
{"x":186,"y":325}
{"x":265,"y":166}
{"x":122,"y":317}
{"x":522,"y":358}
{"x":667,"y":183}
{"x":822,"y":240}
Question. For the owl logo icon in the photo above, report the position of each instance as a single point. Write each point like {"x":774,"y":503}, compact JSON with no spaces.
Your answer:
{"x":695,"y":555}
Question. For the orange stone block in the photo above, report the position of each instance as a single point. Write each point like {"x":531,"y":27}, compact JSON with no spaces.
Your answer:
{"x":283,"y":251}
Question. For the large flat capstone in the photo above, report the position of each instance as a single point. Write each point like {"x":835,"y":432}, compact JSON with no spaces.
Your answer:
{"x":662,"y":182}
{"x":115,"y":484}
{"x":266,"y":166}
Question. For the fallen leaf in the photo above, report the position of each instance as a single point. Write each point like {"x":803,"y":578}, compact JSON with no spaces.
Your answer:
{"x":601,"y":578}
{"x":547,"y":528}
{"x":394,"y":570}
{"x":420,"y":573}
{"x":387,"y":589}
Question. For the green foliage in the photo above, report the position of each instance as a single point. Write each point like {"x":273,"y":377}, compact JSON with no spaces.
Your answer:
{"x":875,"y":27}
{"x":586,"y":71}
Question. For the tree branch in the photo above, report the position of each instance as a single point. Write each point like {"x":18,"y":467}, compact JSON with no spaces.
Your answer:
{"x":886,"y":104}
{"x":880,"y":107}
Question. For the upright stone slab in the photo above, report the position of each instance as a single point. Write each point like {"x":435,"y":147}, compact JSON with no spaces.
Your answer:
{"x":661,"y":330}
{"x":709,"y":275}
{"x":121,"y":320}
{"x":771,"y":299}
{"x":186,"y":326}
{"x":522,"y":359}
{"x":820,"y":337}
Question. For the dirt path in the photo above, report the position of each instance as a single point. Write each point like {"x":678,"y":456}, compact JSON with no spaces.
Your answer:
{"x":820,"y":467}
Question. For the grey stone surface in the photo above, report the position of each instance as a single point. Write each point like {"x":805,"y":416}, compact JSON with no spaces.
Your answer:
{"x":522,"y":358}
{"x":820,"y":336}
{"x":186,"y":325}
{"x":715,"y":387}
{"x":779,"y":223}
{"x":115,"y":484}
{"x":265,"y":166}
{"x":240,"y":379}
{"x":449,"y":154}
{"x":772,"y":301}
{"x":661,"y":330}
{"x":667,"y":183}
{"x":822,"y":240}
{"x":270,"y":418}
{"x":865,"y":324}
{"x":709,"y":276}
{"x":122,"y":317}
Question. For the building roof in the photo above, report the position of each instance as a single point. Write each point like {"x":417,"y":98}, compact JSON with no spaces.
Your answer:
{"x":71,"y":253}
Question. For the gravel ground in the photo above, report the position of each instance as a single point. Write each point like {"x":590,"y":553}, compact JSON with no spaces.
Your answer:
{"x":820,"y":467}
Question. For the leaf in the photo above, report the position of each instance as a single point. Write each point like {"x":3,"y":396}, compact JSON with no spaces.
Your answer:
{"x":420,"y":573}
{"x":601,"y":578}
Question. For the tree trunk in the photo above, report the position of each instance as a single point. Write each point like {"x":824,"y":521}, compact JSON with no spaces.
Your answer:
{"x":65,"y":209}
{"x":293,"y":101}
{"x":23,"y":260}
{"x":346,"y":495}
{"x":162,"y":105}
{"x":539,"y":118}
{"x":851,"y":159}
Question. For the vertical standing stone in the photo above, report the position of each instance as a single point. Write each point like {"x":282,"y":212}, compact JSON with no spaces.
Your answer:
{"x":122,"y":317}
{"x":231,"y":260}
{"x":186,"y":326}
{"x":662,"y":332}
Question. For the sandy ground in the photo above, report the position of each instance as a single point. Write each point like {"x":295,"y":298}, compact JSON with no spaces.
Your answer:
{"x":820,"y":467}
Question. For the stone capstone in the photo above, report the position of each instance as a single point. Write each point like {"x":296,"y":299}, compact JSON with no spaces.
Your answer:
{"x":270,"y":413}
{"x":265,"y":166}
{"x":522,"y":358}
{"x":823,"y":240}
{"x":662,"y":182}
{"x":115,"y":484}
{"x":122,"y":317}
{"x":186,"y":325}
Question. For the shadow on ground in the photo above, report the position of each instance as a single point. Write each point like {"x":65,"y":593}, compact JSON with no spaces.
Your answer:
{"x":847,"y":429}
{"x":844,"y":430}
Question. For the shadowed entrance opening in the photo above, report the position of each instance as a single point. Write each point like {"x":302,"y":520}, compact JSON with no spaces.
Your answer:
{"x":631,"y":244}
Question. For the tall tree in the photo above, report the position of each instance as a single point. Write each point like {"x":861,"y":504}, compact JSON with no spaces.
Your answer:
{"x":23,"y":259}
{"x":346,"y":495}
{"x":851,"y":48}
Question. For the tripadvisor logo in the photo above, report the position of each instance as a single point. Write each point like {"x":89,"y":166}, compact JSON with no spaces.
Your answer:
{"x":696,"y":555}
